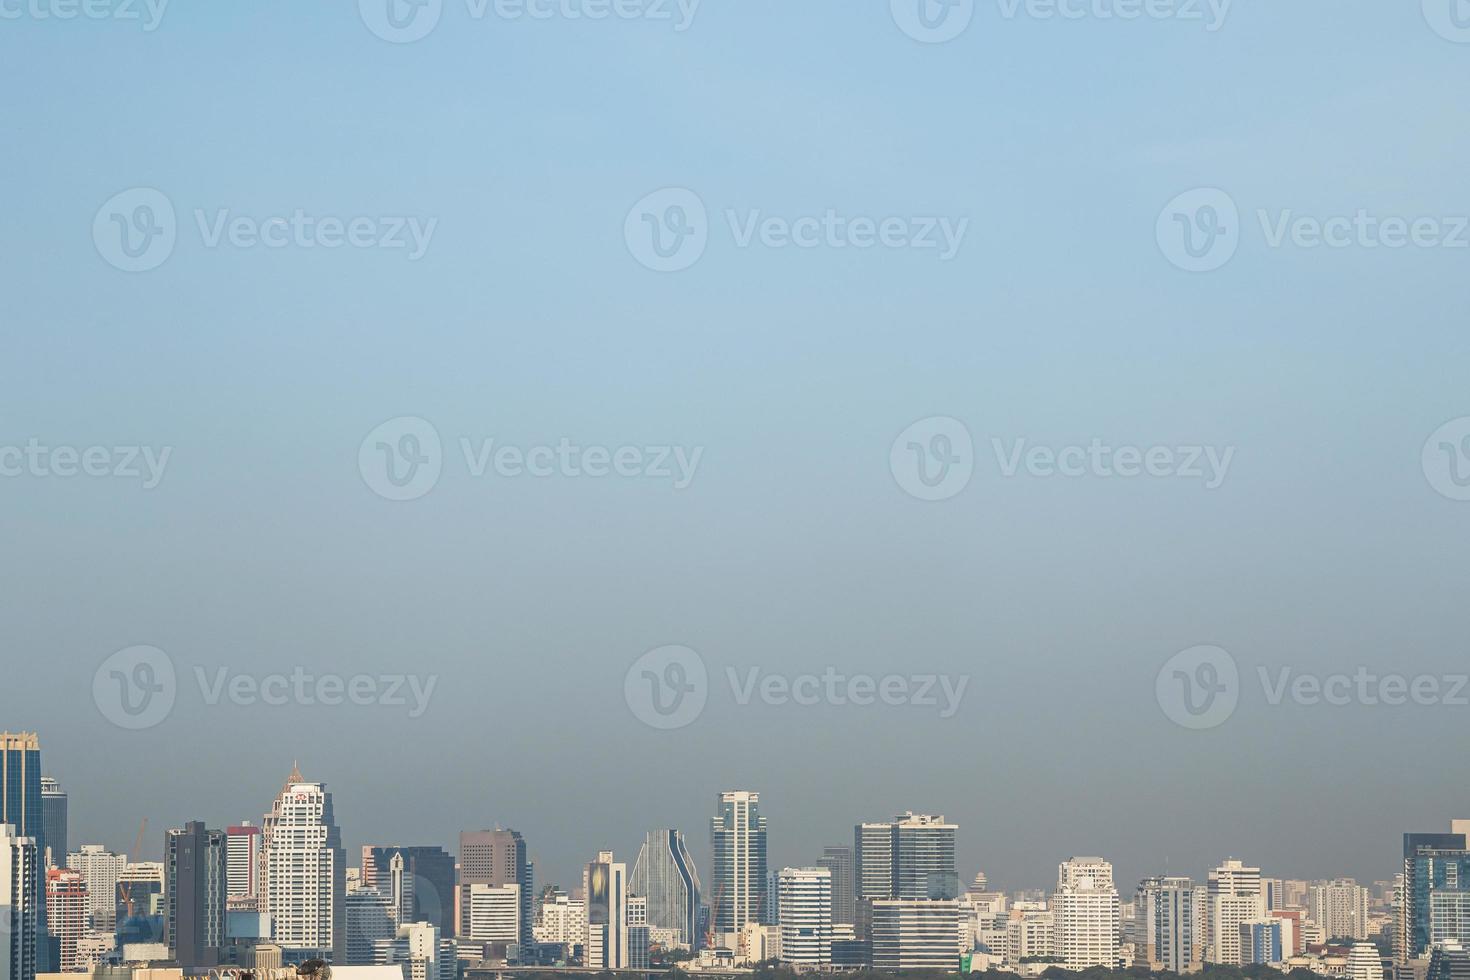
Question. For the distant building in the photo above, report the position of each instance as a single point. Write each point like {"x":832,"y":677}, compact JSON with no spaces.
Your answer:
{"x":915,"y":934}
{"x":495,"y":914}
{"x":305,"y":873}
{"x":1234,"y":893}
{"x":370,"y":920}
{"x":738,"y":837}
{"x":563,"y":921}
{"x":53,"y":820}
{"x":20,"y":872}
{"x":495,"y":857}
{"x":605,"y":883}
{"x":665,"y":875}
{"x":68,"y":907}
{"x":1341,"y":908}
{"x":1433,"y":864}
{"x":1166,"y":918}
{"x":838,"y":859}
{"x":1365,"y":963}
{"x":196,"y":885}
{"x":1449,"y":962}
{"x":1086,"y":912}
{"x":422,"y":952}
{"x":806,"y":917}
{"x":431,"y":870}
{"x":101,"y":869}
{"x":242,"y":845}
{"x":1261,"y":941}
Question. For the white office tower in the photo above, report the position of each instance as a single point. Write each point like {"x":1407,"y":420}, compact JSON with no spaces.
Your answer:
{"x":738,"y":874}
{"x":495,"y":914}
{"x":806,"y":917}
{"x":421,"y":951}
{"x":20,"y":892}
{"x":605,"y":884}
{"x":1364,"y":963}
{"x":1235,"y":897}
{"x":563,"y":920}
{"x":1165,"y":923}
{"x":1030,"y":932}
{"x":915,"y":933}
{"x":400,"y":889}
{"x":100,"y":869}
{"x":242,"y":862}
{"x":305,"y":874}
{"x":1340,"y":907}
{"x":370,"y":920}
{"x":1087,"y":915}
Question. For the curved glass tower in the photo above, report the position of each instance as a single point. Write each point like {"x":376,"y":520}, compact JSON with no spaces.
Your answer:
{"x":666,"y":876}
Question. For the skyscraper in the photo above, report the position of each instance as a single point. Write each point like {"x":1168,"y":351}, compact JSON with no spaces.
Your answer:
{"x":53,"y":820}
{"x":872,"y":845}
{"x":67,"y":910}
{"x":431,"y":871}
{"x":806,"y":917}
{"x":196,"y":887}
{"x":1436,"y":871}
{"x":305,"y":873}
{"x":20,"y":870}
{"x":665,"y":875}
{"x":495,"y":857}
{"x":1340,"y":907}
{"x":1166,"y":917}
{"x":1086,"y":913}
{"x":605,"y":883}
{"x":101,"y":868}
{"x":242,"y":848}
{"x":837,"y":858}
{"x":738,"y":837}
{"x":20,"y":807}
{"x":1234,"y":897}
{"x":369,"y":921}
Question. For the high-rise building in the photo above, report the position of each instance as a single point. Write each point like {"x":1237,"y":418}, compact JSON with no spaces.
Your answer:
{"x":1166,"y":917}
{"x":915,"y":933}
{"x":20,"y":870}
{"x":1234,"y":897}
{"x":1364,"y":963}
{"x":432,"y":881}
{"x":838,"y":859}
{"x":563,"y":920}
{"x":923,"y":857}
{"x":369,"y":921}
{"x":53,"y":820}
{"x":605,"y":884}
{"x":67,"y":911}
{"x":806,"y":917}
{"x":1449,"y":962}
{"x":1436,"y":872}
{"x":1087,"y":914}
{"x":495,"y":914}
{"x":140,"y":903}
{"x":305,"y":873}
{"x":1030,"y":932}
{"x":242,"y":845}
{"x":101,"y":868}
{"x":421,"y":951}
{"x":495,"y":857}
{"x":21,"y":808}
{"x":196,"y":886}
{"x":665,"y":875}
{"x":738,"y":837}
{"x":872,"y":845}
{"x":1261,"y":941}
{"x":1340,"y":907}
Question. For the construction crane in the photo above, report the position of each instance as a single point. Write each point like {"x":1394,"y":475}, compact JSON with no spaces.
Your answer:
{"x":127,"y":886}
{"x":714,"y":916}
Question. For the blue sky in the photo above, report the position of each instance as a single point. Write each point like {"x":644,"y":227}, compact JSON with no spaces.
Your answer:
{"x":528,"y":320}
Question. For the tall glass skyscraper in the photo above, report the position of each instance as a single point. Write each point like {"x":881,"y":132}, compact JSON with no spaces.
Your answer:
{"x":738,"y":836}
{"x":21,"y":808}
{"x":53,"y":818}
{"x":665,"y":875}
{"x":1436,"y":872}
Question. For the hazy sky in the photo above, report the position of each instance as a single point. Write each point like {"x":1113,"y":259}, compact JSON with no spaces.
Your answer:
{"x":528,"y":319}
